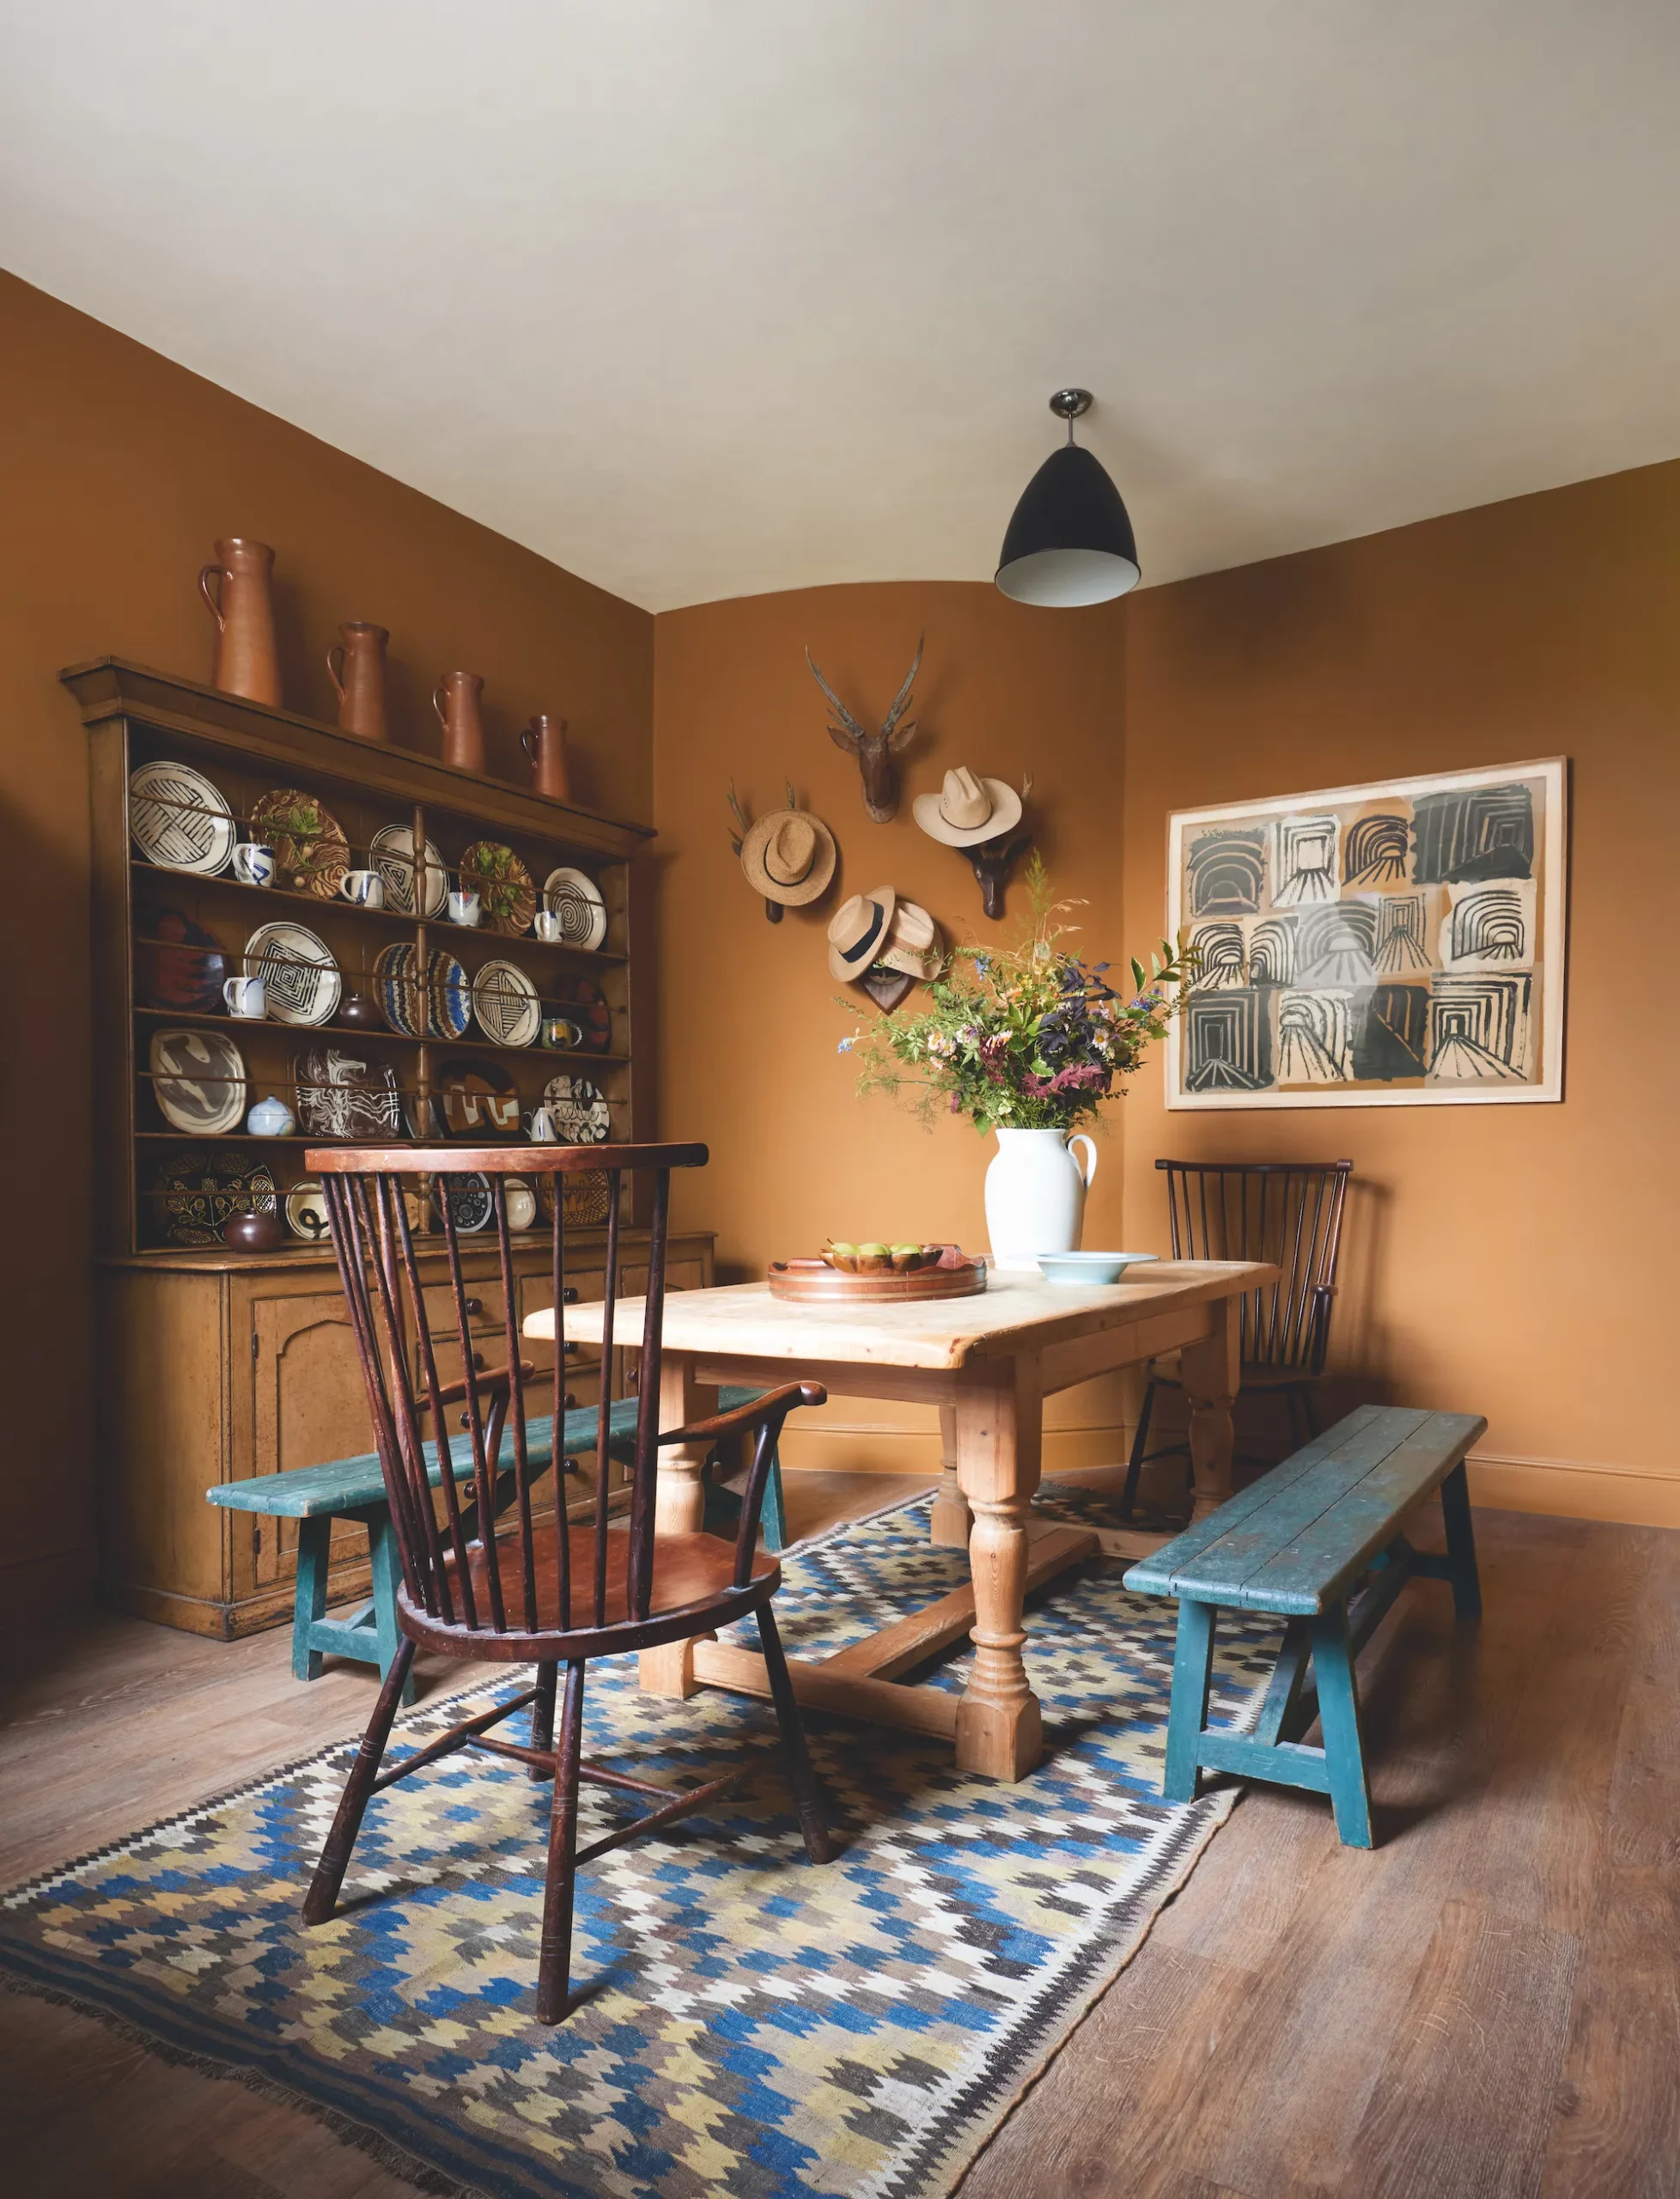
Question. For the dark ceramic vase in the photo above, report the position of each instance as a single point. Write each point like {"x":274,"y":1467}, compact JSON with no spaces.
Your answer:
{"x":254,"y":1232}
{"x":359,"y":1014}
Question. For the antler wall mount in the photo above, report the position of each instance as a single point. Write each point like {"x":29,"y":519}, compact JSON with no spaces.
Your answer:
{"x":877,"y":754}
{"x":788,"y":856}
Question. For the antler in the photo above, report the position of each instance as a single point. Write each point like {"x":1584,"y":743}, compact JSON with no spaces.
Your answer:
{"x":741,"y":817}
{"x":849,"y":733}
{"x":901,"y":700}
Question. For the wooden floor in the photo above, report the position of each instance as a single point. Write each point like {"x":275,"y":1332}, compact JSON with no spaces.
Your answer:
{"x":1487,"y":2006}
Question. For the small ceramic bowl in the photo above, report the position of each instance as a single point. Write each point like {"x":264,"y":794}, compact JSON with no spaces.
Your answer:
{"x":1077,"y":1269}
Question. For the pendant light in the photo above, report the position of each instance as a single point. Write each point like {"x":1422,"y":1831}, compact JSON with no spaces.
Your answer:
{"x":1069,"y":541}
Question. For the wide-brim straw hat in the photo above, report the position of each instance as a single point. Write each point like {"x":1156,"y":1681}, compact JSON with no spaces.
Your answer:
{"x":913,"y":943}
{"x":967,"y":809}
{"x":789,"y":857}
{"x":858,"y":933}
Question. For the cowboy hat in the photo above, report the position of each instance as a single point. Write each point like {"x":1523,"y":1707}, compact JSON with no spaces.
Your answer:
{"x":966,"y":810}
{"x":913,"y":943}
{"x":789,"y":857}
{"x":858,"y":933}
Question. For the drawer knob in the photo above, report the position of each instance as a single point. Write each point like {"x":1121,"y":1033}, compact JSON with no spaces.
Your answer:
{"x":569,"y":1295}
{"x":571,"y":1402}
{"x":475,"y":1305}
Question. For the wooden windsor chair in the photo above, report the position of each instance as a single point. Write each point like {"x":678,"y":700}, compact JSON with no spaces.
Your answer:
{"x":1286,"y":1212}
{"x":532,"y":1590}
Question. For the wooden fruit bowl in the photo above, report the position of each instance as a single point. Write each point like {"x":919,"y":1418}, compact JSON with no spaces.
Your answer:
{"x":814,"y":1283}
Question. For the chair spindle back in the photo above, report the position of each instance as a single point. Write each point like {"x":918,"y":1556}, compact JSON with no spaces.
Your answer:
{"x":1288,"y":1213}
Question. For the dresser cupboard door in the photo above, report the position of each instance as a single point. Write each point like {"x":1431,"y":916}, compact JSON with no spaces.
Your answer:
{"x":309,"y":1406}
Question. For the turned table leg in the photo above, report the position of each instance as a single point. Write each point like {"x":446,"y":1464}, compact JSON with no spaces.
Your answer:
{"x":1210,"y":1370}
{"x":952,"y":1518}
{"x":679,"y":1508}
{"x":999,"y":1729}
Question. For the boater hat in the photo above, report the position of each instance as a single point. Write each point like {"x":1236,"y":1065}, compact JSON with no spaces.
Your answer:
{"x":967,"y":810}
{"x":789,"y":857}
{"x":858,"y":933}
{"x":913,"y":943}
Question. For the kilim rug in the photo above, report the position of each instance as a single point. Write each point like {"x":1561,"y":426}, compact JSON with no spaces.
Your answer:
{"x":751,"y":2025}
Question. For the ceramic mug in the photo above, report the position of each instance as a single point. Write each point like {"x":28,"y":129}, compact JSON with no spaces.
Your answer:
{"x":548,"y":926}
{"x":539,"y":1127}
{"x":561,"y":1034}
{"x":254,"y":863}
{"x":464,"y":906}
{"x":365,"y":887}
{"x":246,"y":998}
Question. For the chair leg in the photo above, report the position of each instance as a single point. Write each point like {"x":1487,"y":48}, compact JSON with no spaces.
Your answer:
{"x":323,"y":1894}
{"x":1338,"y":1719}
{"x":542,"y":1715}
{"x":554,"y":1960}
{"x":800,"y":1777}
{"x":1461,"y":1543}
{"x":1192,"y":1671}
{"x":1140,"y":1442}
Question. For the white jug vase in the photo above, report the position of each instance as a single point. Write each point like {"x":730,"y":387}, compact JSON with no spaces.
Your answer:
{"x":1035,"y":1195}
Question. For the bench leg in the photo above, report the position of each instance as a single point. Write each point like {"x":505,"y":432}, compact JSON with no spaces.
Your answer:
{"x":314,"y":1538}
{"x":1461,"y":1543}
{"x":1192,"y":1669}
{"x":1338,"y":1717}
{"x":387,"y":1566}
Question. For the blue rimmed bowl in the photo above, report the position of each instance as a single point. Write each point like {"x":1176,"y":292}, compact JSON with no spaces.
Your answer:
{"x":1078,"y":1270}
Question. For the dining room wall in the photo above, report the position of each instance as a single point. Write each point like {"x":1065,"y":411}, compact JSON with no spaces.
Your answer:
{"x":121,"y":469}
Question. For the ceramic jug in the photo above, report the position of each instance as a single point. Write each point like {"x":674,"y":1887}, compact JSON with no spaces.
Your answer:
{"x":359,"y":677}
{"x":239,"y":590}
{"x":544,"y":741}
{"x":1035,"y":1195}
{"x":455,"y":699}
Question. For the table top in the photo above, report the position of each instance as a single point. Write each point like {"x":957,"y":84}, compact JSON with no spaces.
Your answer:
{"x":1016,"y":1312}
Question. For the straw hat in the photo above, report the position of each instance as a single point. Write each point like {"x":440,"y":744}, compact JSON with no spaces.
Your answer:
{"x":913,"y":943}
{"x":966,"y":810}
{"x":858,"y":933}
{"x":789,"y":857}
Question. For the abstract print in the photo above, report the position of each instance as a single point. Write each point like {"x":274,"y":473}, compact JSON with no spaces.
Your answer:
{"x":1400,"y":942}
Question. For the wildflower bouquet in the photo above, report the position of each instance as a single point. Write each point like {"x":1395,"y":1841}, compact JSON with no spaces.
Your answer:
{"x":1032,"y":1039}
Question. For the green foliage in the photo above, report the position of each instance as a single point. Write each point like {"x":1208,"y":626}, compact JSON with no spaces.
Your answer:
{"x":1025,"y":1037}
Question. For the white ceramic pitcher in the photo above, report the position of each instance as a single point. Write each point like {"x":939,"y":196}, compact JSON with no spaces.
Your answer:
{"x":1035,"y":1195}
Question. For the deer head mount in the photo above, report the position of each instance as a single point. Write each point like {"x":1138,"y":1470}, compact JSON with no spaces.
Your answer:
{"x":877,"y":754}
{"x":993,"y":861}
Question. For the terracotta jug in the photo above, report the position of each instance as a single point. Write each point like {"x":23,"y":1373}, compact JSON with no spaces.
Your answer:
{"x":544,"y":741}
{"x":359,"y":677}
{"x":455,"y":699}
{"x":242,"y":602}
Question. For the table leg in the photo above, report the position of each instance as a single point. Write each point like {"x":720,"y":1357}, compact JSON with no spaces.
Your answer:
{"x":680,"y":1510}
{"x":998,"y":1435}
{"x":953,"y":1521}
{"x":1210,"y":1371}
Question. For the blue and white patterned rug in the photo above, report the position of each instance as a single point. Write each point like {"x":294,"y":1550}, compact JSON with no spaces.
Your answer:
{"x":752,"y":2025}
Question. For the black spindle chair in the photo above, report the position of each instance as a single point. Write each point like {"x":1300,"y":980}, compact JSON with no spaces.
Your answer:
{"x":536,"y":1590}
{"x":1288,"y":1213}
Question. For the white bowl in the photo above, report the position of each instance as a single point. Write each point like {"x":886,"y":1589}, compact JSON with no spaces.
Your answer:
{"x":1076,"y":1270}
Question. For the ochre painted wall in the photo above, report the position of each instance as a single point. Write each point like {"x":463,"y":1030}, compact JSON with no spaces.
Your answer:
{"x":120,"y":472}
{"x":1513,"y":1261}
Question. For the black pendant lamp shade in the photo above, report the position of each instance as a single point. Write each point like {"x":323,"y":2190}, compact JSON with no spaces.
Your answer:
{"x":1069,"y":541}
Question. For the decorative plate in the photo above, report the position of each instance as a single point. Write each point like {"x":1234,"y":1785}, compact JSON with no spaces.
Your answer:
{"x":522,"y":1202}
{"x":503,"y":885}
{"x":198,"y":1187}
{"x":198,"y":1080}
{"x":392,"y":853}
{"x":574,"y":897}
{"x":580,"y":1111}
{"x":179,"y":965}
{"x":180,"y":820}
{"x":470,"y":1202}
{"x":449,"y":996}
{"x":585,"y":1196}
{"x":306,"y":1211}
{"x":310,"y":853}
{"x":395,"y":990}
{"x":505,"y":1002}
{"x":298,"y":969}
{"x":479,"y":1100}
{"x":342,"y":1095}
{"x":583,"y":1001}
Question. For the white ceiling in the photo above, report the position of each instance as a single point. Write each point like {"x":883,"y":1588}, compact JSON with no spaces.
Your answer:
{"x":705,"y":297}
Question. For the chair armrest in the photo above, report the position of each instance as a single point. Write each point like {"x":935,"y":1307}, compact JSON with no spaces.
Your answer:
{"x":494,"y":1379}
{"x":723,"y":1425}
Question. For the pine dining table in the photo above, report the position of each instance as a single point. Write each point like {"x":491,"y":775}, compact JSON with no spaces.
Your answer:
{"x":987,"y":1362}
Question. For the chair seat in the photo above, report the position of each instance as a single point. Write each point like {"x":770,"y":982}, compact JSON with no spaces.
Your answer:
{"x":1256,"y":1375}
{"x":688,"y":1569}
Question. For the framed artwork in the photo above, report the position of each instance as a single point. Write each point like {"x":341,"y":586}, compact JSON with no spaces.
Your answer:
{"x":1388,"y":946}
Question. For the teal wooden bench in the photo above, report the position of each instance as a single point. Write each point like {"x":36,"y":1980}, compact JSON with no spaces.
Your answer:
{"x":354,"y":1488}
{"x":1297,"y":1545}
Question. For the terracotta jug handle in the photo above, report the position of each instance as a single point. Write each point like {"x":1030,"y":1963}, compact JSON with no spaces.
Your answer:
{"x":333,"y":671}
{"x":222,"y":573}
{"x":527,"y":741}
{"x":438,"y":706}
